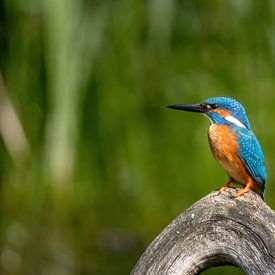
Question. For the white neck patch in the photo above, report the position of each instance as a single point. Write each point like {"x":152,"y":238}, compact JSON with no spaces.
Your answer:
{"x":234,"y":121}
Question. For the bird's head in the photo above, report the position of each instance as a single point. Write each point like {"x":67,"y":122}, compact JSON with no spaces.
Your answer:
{"x":220,"y":110}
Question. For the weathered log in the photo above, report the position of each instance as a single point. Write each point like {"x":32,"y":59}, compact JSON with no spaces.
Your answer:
{"x":217,"y":230}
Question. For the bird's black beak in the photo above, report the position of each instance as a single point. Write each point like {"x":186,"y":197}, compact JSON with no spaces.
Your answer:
{"x":187,"y":107}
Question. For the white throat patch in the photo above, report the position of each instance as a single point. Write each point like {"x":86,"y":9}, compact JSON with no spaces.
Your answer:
{"x":234,"y":121}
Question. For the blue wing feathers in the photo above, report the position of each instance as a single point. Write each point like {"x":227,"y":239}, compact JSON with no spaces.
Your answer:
{"x":251,"y":154}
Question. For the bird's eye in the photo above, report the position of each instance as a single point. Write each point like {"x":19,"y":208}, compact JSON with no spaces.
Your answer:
{"x":214,"y":106}
{"x":209,"y":107}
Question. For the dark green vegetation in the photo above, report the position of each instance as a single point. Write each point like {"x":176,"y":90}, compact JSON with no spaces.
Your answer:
{"x":107,"y":166}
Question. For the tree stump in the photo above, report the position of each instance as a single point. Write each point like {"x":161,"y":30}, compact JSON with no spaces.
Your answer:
{"x":217,"y":230}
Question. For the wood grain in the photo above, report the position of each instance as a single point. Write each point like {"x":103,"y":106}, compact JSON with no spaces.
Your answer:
{"x":217,"y":230}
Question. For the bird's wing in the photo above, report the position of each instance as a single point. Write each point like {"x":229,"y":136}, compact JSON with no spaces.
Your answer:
{"x":251,"y":154}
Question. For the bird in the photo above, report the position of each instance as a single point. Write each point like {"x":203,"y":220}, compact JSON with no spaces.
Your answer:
{"x":232,"y":143}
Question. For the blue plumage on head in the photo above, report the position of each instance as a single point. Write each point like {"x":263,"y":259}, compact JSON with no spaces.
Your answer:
{"x":231,"y":105}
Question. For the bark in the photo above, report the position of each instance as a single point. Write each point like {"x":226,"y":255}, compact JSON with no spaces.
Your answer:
{"x":217,"y":230}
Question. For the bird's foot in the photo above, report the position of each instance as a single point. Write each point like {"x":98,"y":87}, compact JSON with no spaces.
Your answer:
{"x":242,"y":192}
{"x":226,"y":186}
{"x":223,"y":189}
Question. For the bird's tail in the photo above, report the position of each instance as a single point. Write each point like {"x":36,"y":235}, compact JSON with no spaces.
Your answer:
{"x":263,"y":193}
{"x":259,"y":189}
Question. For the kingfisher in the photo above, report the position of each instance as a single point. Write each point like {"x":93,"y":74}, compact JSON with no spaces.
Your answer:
{"x":232,"y":143}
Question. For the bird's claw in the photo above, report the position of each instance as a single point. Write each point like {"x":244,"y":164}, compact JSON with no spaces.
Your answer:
{"x":226,"y":186}
{"x":223,"y":189}
{"x":241,"y":192}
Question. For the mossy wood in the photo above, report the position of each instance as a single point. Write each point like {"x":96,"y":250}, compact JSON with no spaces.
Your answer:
{"x":217,"y":230}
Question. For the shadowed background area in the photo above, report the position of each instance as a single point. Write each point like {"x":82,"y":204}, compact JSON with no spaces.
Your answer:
{"x":93,"y":166}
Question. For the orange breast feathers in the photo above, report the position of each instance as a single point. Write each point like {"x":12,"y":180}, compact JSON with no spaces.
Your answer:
{"x":224,"y":147}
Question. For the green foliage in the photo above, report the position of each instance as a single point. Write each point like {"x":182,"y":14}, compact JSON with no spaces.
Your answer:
{"x":108,"y":166}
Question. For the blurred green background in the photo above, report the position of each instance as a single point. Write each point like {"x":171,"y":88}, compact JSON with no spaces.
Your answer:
{"x":93,"y":166}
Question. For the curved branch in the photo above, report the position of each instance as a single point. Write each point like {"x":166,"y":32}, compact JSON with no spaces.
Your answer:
{"x":217,"y":230}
